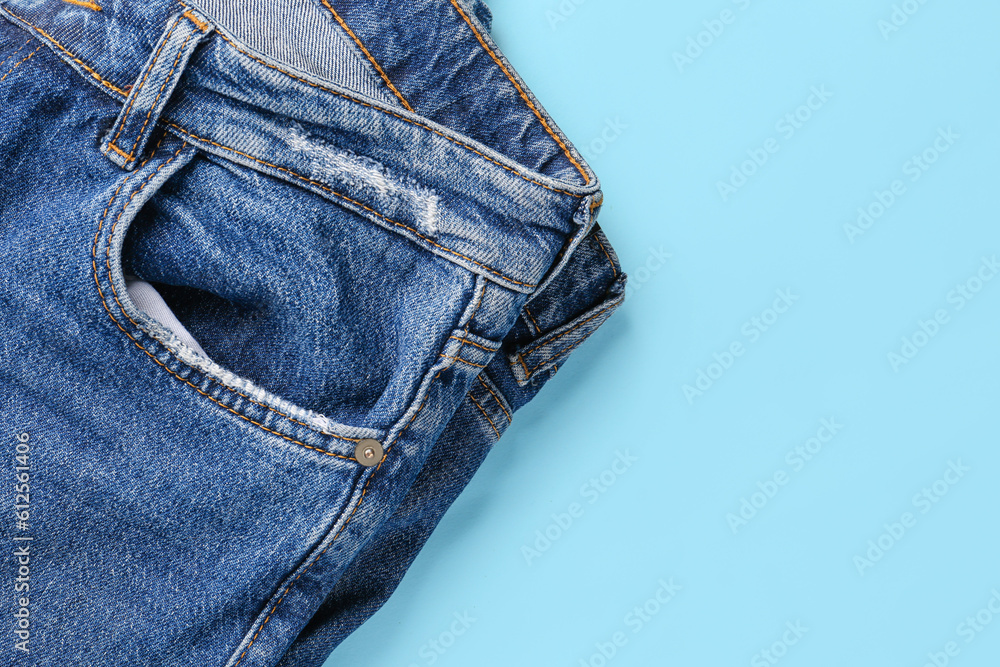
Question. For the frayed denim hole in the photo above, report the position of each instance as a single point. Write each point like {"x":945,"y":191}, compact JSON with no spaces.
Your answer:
{"x":345,"y":170}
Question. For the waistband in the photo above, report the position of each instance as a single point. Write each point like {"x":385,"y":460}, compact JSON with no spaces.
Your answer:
{"x":488,"y":212}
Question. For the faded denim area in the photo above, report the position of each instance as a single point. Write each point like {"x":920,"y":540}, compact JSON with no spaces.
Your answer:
{"x":376,"y":236}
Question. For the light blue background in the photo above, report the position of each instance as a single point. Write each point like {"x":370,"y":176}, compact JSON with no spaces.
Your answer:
{"x":827,"y":357}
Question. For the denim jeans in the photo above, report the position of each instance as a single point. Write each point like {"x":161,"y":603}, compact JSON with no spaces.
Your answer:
{"x":275,"y":278}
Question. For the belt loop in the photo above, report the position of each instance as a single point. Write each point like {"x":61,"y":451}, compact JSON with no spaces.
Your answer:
{"x":126,"y":141}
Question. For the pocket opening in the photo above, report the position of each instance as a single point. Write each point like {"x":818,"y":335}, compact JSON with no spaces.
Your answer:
{"x":274,"y":300}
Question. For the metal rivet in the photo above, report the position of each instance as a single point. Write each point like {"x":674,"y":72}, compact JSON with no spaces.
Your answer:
{"x":368,"y":452}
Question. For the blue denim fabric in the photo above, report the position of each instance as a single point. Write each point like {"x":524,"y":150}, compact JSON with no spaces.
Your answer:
{"x":374,"y":236}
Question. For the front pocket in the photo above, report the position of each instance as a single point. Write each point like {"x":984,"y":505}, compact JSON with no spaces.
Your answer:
{"x":312,"y":318}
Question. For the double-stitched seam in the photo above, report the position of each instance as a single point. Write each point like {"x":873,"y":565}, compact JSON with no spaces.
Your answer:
{"x":19,"y":63}
{"x":72,"y":56}
{"x":364,"y":491}
{"x":495,"y":397}
{"x":138,"y":91}
{"x":84,"y":3}
{"x":371,"y":59}
{"x":606,"y":254}
{"x":351,"y":201}
{"x":159,"y":94}
{"x":136,"y":324}
{"x":464,"y":361}
{"x":202,"y":26}
{"x":469,"y":342}
{"x":538,"y":329}
{"x":524,"y":95}
{"x":144,"y":349}
{"x":120,"y":151}
{"x":562,"y":351}
{"x":241,"y":394}
{"x":402,"y":118}
{"x":19,"y":49}
{"x":476,"y":403}
{"x":527,"y":373}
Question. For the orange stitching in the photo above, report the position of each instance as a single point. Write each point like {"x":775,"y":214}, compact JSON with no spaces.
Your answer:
{"x":606,"y":254}
{"x":69,"y":53}
{"x":481,"y":347}
{"x":348,"y":199}
{"x":163,"y":86}
{"x":18,"y":63}
{"x":120,"y":151}
{"x":524,"y":96}
{"x":20,"y":48}
{"x":575,"y":326}
{"x":342,"y":528}
{"x":84,"y":3}
{"x":403,"y":118}
{"x":195,"y":20}
{"x":136,"y":324}
{"x":520,"y":358}
{"x":538,"y":329}
{"x":235,"y":391}
{"x":138,"y":90}
{"x":476,"y":403}
{"x":464,"y":361}
{"x":495,"y":397}
{"x":385,"y":77}
{"x":124,"y":92}
{"x":108,"y":263}
{"x":140,"y":346}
